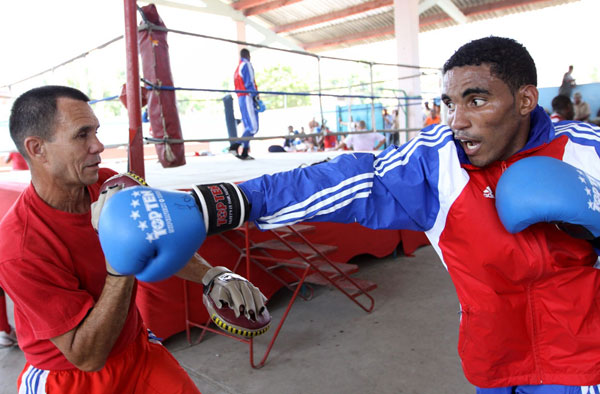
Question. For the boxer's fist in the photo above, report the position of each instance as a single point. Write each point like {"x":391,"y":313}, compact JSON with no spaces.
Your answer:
{"x":543,"y":189}
{"x":235,"y":304}
{"x":150,"y":233}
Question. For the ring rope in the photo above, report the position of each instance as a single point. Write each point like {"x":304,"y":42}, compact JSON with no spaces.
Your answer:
{"x":110,"y":98}
{"x":151,"y":86}
{"x":151,"y":140}
{"x":287,"y":136}
{"x":103,"y":99}
{"x":84,"y":54}
{"x":150,"y":25}
{"x":147,"y":24}
{"x":362,"y":84}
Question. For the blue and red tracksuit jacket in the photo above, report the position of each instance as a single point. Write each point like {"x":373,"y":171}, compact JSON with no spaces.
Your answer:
{"x":530,"y":302}
{"x":243,"y":78}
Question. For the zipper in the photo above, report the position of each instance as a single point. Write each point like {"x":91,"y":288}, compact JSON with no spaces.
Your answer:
{"x":534,"y":334}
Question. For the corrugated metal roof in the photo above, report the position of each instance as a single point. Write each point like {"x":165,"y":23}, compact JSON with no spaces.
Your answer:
{"x":306,"y":9}
{"x":376,"y":20}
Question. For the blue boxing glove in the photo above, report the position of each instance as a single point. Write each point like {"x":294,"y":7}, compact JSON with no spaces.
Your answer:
{"x":543,"y":189}
{"x":150,"y":233}
{"x":259,"y":105}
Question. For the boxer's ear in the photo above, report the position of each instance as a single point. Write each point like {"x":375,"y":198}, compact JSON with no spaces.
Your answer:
{"x":527,"y":99}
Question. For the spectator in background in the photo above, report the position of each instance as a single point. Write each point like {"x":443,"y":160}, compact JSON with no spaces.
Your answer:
{"x":288,"y":144}
{"x":388,"y":124}
{"x":291,"y":139}
{"x":582,"y":109}
{"x":427,"y":111}
{"x":363,"y":142}
{"x":396,"y":120}
{"x":388,"y":120}
{"x":329,"y":139}
{"x":434,"y":115}
{"x":568,"y":83}
{"x":17,"y":161}
{"x":351,"y":125}
{"x":397,"y":126}
{"x":312,"y":142}
{"x":562,"y":109}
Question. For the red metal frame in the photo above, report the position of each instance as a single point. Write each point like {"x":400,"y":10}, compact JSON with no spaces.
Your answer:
{"x":306,"y":268}
{"x":134,"y":100}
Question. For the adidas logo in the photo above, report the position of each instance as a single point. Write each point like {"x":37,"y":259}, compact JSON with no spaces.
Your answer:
{"x":487,"y":192}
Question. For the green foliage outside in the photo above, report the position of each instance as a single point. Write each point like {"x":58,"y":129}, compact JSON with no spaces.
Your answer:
{"x":282,"y":79}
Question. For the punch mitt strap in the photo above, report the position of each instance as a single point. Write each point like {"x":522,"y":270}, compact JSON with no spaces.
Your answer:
{"x":223,"y":205}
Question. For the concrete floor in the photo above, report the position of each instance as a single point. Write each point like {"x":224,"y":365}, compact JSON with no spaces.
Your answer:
{"x":329,"y":345}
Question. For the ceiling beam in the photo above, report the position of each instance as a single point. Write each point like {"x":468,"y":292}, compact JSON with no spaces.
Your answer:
{"x":175,"y":4}
{"x":424,"y":5}
{"x":217,"y":7}
{"x":269,"y":6}
{"x":318,"y":45}
{"x":243,"y":4}
{"x":499,"y":6}
{"x":452,"y":10}
{"x":357,"y":9}
{"x":478,"y":9}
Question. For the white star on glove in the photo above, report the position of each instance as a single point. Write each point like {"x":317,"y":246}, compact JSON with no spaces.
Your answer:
{"x":135,"y":203}
{"x":142,"y":225}
{"x":135,"y":215}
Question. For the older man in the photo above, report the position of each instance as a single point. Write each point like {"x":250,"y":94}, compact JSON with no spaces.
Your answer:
{"x":76,"y":316}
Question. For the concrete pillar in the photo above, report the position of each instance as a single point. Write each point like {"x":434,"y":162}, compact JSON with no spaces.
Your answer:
{"x":241,"y":34}
{"x":406,"y":23}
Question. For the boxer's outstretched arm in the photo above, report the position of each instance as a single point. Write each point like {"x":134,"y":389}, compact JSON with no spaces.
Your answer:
{"x":346,"y":189}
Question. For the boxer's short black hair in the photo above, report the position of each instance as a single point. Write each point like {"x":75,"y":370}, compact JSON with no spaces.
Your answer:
{"x":508,"y":60}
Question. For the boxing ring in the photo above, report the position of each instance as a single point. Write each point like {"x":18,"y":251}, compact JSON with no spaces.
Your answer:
{"x":297,"y":258}
{"x":174,"y":305}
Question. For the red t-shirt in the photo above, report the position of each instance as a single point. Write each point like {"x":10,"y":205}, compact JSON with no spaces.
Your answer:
{"x":329,"y":141}
{"x":53,"y":268}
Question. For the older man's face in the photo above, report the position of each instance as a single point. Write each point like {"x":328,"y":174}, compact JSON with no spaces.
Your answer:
{"x":74,"y":151}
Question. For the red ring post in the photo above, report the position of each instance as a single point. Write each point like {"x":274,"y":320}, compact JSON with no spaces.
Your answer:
{"x":134,"y":106}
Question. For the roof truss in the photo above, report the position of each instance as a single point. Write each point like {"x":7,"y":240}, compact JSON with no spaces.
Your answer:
{"x":363,"y":21}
